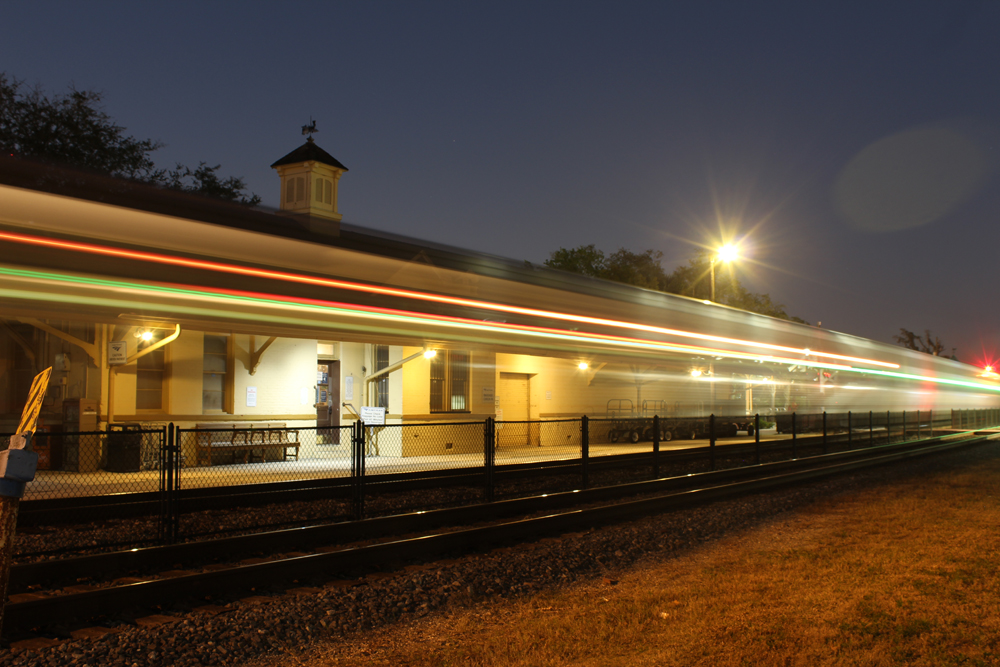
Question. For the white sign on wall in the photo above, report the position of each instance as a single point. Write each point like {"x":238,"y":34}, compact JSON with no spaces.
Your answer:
{"x":548,"y":396}
{"x":372,"y":416}
{"x":251,"y":397}
{"x":349,"y":388}
{"x":487,"y":394}
{"x":117,"y":352}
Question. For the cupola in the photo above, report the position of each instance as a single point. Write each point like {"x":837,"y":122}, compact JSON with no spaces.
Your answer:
{"x":309,"y":177}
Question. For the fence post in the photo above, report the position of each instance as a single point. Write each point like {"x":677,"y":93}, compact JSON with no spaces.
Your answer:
{"x":711,"y":441}
{"x":756,"y":438}
{"x":358,"y":469}
{"x":871,"y":429}
{"x":585,"y":450}
{"x":165,"y":470}
{"x":824,"y":432}
{"x":489,"y":456}
{"x":930,"y":422}
{"x":888,"y":427}
{"x":794,"y":436}
{"x":904,"y":425}
{"x":656,"y":446}
{"x":850,"y":431}
{"x":918,"y":424}
{"x":162,"y":467}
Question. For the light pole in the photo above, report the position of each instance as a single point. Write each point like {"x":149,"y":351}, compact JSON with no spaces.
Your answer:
{"x":726,"y":253}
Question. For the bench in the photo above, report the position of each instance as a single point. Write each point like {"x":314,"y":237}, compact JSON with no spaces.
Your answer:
{"x":249,"y":439}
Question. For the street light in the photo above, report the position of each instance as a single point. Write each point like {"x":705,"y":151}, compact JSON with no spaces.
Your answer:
{"x":726,"y":253}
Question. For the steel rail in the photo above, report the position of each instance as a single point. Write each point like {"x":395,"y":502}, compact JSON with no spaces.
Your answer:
{"x":21,"y":617}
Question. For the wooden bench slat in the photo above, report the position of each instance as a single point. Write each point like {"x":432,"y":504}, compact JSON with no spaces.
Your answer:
{"x":244,"y":437}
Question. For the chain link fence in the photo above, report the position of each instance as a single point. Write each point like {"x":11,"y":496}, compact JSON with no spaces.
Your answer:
{"x":148,"y":476}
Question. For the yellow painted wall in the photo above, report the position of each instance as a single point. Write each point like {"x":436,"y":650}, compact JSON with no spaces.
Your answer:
{"x":559,"y":388}
{"x":185,"y":360}
{"x":352,"y":357}
{"x":416,"y":385}
{"x":285,"y":379}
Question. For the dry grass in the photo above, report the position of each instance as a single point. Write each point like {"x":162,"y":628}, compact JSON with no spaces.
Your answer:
{"x":899,"y":575}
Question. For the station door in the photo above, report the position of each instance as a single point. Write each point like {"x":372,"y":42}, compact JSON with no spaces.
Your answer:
{"x":513,"y":392}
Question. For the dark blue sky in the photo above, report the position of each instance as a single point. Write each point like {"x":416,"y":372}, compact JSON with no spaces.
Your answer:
{"x":855,"y":144}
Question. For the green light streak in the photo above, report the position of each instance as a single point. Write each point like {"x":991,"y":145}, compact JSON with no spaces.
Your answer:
{"x":92,"y":282}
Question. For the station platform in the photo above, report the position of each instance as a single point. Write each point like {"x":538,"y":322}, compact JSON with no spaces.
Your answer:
{"x":335,"y":462}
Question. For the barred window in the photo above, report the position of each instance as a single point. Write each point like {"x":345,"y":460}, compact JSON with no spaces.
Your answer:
{"x":213,"y":382}
{"x":381,"y":353}
{"x":450,"y":375}
{"x":149,"y":376}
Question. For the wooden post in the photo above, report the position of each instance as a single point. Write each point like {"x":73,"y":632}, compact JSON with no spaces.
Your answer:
{"x":17,"y":467}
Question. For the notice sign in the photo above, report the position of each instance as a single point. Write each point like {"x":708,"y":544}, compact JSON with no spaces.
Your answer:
{"x":349,"y":388}
{"x":487,"y":394}
{"x":251,"y":397}
{"x":373,"y":416}
{"x":117,"y":352}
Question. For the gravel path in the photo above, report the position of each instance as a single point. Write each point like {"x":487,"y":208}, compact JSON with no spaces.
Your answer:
{"x":245,"y":631}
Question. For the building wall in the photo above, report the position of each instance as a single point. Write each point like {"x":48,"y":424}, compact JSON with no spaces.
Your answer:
{"x":560,"y":389}
{"x":352,"y":359}
{"x":443,"y":440}
{"x":285,"y":379}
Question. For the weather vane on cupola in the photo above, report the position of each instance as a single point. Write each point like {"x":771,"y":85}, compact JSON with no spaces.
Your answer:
{"x":310,"y":129}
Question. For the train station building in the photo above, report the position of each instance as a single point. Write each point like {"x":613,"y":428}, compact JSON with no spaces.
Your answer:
{"x":158,"y":307}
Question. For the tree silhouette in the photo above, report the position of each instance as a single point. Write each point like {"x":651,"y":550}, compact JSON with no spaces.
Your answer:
{"x":926,"y":343}
{"x":73,"y":130}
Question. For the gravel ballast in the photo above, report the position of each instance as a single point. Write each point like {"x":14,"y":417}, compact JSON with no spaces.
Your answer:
{"x":232,"y":633}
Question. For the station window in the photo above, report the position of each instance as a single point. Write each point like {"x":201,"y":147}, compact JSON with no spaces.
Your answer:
{"x":450,"y":374}
{"x":213,"y":382}
{"x":381,"y":354}
{"x":149,"y":375}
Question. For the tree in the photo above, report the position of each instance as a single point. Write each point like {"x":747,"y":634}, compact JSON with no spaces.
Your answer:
{"x":73,"y":130}
{"x":70,"y":129}
{"x":204,"y":180}
{"x":644,"y":270}
{"x":926,"y":343}
{"x":585,"y":260}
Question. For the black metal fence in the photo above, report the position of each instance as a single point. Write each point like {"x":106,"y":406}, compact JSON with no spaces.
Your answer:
{"x":165,"y":484}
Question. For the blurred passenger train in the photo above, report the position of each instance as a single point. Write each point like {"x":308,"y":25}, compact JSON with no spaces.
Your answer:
{"x":119,"y":257}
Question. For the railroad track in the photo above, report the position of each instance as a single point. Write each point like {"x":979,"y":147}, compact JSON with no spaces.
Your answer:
{"x":132,"y":583}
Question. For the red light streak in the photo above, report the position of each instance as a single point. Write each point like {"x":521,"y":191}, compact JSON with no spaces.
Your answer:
{"x":410,"y":294}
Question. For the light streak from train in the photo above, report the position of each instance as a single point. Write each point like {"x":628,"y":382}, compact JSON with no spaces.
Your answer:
{"x":354,"y":310}
{"x":410,"y":294}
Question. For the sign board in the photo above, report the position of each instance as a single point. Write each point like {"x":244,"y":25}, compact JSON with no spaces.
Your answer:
{"x":487,"y":394}
{"x":349,"y":388}
{"x":251,"y":397}
{"x":29,"y":417}
{"x":373,"y":416}
{"x":117,"y":352}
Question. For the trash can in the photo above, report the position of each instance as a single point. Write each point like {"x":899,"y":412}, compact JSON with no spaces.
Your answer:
{"x":124,"y":447}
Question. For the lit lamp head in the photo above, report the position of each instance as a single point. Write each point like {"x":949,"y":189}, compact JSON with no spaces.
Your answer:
{"x":146,"y":335}
{"x":728,"y":253}
{"x":430,"y":354}
{"x":583,"y":365}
